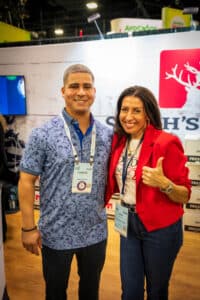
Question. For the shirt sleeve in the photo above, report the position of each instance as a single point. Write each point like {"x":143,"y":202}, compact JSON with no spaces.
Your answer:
{"x":34,"y":153}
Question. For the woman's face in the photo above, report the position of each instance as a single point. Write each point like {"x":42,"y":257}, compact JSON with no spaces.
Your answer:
{"x":132,"y":116}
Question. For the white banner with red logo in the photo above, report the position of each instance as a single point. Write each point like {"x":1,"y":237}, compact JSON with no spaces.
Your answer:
{"x":168,"y":64}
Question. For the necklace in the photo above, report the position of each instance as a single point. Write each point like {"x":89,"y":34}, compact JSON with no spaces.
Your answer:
{"x":132,"y":146}
{"x":127,"y":160}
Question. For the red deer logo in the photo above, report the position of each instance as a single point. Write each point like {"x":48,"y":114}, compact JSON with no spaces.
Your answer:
{"x":180,"y":79}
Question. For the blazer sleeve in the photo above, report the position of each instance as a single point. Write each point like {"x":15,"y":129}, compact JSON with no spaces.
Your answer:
{"x":174,"y":163}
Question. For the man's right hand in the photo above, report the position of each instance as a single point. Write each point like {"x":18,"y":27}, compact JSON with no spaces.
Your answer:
{"x":32,"y":241}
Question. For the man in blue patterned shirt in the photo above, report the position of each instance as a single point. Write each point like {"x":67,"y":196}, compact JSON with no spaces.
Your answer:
{"x":70,"y":154}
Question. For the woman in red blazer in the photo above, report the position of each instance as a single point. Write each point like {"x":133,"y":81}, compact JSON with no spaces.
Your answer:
{"x":147,"y":167}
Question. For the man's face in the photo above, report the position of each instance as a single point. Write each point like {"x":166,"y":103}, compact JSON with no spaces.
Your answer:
{"x":79,"y":93}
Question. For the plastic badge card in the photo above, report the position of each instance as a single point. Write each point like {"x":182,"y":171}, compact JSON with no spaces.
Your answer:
{"x":82,"y":178}
{"x":121,"y":219}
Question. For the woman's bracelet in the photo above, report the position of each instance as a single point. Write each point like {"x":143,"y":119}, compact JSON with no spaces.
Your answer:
{"x":29,"y":229}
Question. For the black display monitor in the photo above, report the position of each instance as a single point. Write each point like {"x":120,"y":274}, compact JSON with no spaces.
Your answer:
{"x":12,"y":95}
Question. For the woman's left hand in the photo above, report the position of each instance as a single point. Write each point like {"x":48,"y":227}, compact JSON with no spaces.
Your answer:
{"x":154,"y":176}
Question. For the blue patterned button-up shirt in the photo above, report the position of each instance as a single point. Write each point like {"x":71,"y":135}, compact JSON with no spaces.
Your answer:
{"x":68,"y":221}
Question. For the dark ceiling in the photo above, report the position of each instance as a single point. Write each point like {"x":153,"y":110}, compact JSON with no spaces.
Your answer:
{"x":41,"y":16}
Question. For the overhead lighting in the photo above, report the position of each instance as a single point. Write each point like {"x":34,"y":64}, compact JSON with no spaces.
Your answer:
{"x":110,"y":32}
{"x":93,"y":18}
{"x":190,"y":10}
{"x":92,"y":5}
{"x":58,"y":31}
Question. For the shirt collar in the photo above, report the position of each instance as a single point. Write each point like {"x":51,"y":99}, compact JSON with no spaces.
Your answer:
{"x":69,"y":120}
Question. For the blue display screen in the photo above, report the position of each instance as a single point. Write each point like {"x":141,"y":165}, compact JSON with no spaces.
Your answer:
{"x":12,"y":95}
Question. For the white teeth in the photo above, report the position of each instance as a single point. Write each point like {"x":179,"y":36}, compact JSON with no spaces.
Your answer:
{"x":129,"y":124}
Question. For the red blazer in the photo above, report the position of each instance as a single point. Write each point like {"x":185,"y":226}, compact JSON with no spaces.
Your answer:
{"x":154,"y":208}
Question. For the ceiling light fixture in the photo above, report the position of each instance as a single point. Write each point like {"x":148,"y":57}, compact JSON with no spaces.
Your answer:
{"x":92,"y":5}
{"x":58,"y":31}
{"x":191,"y":11}
{"x":93,"y":18}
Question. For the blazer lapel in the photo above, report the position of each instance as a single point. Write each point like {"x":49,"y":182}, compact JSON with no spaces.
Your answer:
{"x":151,"y":135}
{"x":117,"y":148}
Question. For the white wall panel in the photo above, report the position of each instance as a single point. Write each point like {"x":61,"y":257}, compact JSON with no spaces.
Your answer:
{"x":116,"y":63}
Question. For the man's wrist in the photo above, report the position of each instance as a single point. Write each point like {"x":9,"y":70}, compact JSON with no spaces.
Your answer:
{"x":29,"y":229}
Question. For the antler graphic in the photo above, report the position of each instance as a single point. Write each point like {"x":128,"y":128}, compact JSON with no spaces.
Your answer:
{"x":178,"y":78}
{"x":194,"y":71}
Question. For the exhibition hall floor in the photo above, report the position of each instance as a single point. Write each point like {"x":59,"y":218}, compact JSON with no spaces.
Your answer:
{"x":25,"y":282}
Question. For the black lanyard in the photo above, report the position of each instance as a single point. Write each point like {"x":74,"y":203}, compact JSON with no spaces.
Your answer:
{"x":126,"y":163}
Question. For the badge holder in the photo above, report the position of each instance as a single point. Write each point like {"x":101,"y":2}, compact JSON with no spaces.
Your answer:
{"x":82,"y":178}
{"x":121,"y":219}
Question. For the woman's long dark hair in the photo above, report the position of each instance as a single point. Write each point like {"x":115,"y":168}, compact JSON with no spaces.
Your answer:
{"x":150,"y":106}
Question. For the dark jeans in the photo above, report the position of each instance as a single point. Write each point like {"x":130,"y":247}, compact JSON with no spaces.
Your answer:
{"x":56,"y":270}
{"x":149,"y":255}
